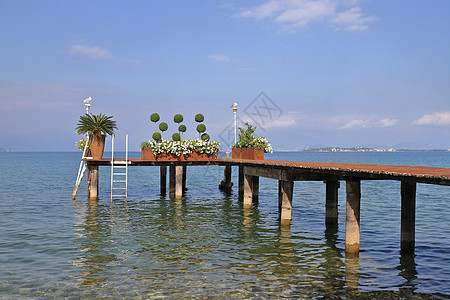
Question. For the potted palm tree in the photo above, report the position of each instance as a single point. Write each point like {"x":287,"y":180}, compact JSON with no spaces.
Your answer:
{"x":97,"y":127}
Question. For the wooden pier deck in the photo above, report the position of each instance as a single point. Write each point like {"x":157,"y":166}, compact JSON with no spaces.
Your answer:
{"x":287,"y":172}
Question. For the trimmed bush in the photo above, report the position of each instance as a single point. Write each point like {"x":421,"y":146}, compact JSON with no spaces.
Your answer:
{"x":205,"y":137}
{"x":178,"y":118}
{"x":182,"y":128}
{"x":154,"y":117}
{"x":201,"y":128}
{"x":199,"y":118}
{"x":157,"y":136}
{"x":176,"y":136}
{"x":163,"y":126}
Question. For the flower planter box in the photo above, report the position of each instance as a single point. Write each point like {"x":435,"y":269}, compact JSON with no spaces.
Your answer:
{"x":147,"y":154}
{"x":248,"y":153}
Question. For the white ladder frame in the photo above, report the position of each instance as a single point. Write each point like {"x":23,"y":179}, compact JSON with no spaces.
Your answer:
{"x":120,"y":164}
{"x":82,"y":168}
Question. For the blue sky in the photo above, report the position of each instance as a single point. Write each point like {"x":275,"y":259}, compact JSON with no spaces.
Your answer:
{"x":307,"y":72}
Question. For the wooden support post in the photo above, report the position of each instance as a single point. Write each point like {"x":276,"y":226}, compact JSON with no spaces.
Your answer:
{"x":331,"y":202}
{"x":248,"y":182}
{"x":92,"y":181}
{"x":255,"y":188}
{"x":353,"y":187}
{"x":408,"y":218}
{"x":171,"y":181}
{"x":285,"y":193}
{"x":178,"y":182}
{"x":241,"y":181}
{"x":163,"y":179}
{"x":184,"y":178}
{"x":226,"y":183}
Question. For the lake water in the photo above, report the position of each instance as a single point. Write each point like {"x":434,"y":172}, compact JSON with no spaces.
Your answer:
{"x":205,"y":245}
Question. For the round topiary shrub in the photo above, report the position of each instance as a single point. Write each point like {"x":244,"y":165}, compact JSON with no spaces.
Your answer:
{"x":199,"y":118}
{"x":205,"y":137}
{"x":176,"y":136}
{"x":157,"y":136}
{"x":178,"y":118}
{"x":163,"y":126}
{"x":182,"y":128}
{"x":201,"y":128}
{"x":154,"y":117}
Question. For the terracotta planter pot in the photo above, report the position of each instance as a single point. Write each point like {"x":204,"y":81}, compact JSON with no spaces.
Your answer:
{"x":147,"y":154}
{"x":97,"y":146}
{"x":248,"y":153}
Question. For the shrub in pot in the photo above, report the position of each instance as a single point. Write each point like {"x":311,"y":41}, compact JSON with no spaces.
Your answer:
{"x":97,"y":127}
{"x":249,"y":146}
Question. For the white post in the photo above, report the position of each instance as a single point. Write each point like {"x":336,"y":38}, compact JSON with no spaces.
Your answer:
{"x":234,"y":106}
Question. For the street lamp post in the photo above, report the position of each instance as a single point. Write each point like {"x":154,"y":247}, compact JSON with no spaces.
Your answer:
{"x":234,"y":107}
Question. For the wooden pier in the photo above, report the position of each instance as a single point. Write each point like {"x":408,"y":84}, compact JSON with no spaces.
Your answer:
{"x":287,"y":172}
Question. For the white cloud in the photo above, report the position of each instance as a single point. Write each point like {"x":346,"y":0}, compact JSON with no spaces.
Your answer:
{"x":370,"y":122}
{"x":352,"y":20}
{"x":299,"y":13}
{"x":438,"y":119}
{"x":220,"y":58}
{"x":94,"y":52}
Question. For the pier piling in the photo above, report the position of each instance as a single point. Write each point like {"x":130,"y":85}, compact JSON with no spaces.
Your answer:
{"x":92,"y":181}
{"x":353,"y":187}
{"x":285,"y":193}
{"x":171,"y":181}
{"x":241,"y":181}
{"x":178,"y":182}
{"x":408,"y":216}
{"x":248,"y":191}
{"x":331,"y":202}
{"x":226,"y":183}
{"x":163,"y":180}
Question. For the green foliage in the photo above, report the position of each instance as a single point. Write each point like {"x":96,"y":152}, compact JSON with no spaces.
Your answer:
{"x":247,"y":140}
{"x":157,"y":136}
{"x":182,"y":128}
{"x":146,"y":145}
{"x":163,"y":126}
{"x":201,"y":128}
{"x":81,"y":144}
{"x":178,"y":118}
{"x":176,"y":136}
{"x":199,"y":118}
{"x":205,"y":137}
{"x":154,"y":117}
{"x":96,"y":124}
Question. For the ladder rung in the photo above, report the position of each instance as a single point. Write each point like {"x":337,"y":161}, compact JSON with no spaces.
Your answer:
{"x":119,"y":181}
{"x":122,"y":174}
{"x":120,"y":162}
{"x":119,"y":166}
{"x":118,"y":188}
{"x":118,"y":195}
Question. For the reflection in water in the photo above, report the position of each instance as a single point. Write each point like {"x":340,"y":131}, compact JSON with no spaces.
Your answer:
{"x":351,"y":271}
{"x":408,"y":270}
{"x":92,"y":257}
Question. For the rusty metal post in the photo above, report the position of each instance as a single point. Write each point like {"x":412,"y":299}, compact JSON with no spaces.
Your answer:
{"x":241,"y":181}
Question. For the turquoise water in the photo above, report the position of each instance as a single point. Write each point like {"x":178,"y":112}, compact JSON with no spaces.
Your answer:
{"x":205,"y":245}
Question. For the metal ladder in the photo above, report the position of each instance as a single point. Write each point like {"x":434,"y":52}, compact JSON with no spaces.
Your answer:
{"x":81,"y":169}
{"x":119,"y":173}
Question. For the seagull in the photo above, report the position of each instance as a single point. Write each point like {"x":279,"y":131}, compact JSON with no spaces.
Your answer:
{"x":234,"y":105}
{"x":87,"y":100}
